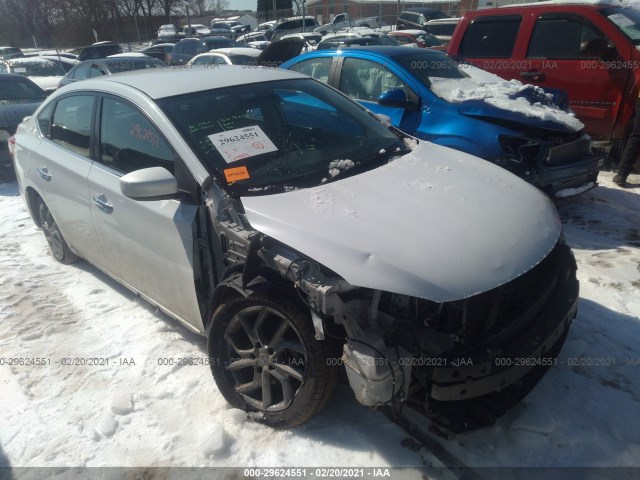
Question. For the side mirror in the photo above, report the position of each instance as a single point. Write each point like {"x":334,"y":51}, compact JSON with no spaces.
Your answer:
{"x":396,"y":97}
{"x":153,"y":183}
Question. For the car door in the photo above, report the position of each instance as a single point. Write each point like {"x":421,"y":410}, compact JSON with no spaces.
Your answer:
{"x":365,"y":80}
{"x":147,"y":244}
{"x":61,"y":165}
{"x":560,"y":55}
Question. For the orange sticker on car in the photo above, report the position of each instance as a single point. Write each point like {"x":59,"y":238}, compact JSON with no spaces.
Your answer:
{"x":235,"y":174}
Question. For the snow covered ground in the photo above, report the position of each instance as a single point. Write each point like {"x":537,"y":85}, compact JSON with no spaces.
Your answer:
{"x":138,"y":411}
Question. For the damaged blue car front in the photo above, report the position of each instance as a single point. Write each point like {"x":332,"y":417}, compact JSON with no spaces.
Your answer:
{"x":431,"y":96}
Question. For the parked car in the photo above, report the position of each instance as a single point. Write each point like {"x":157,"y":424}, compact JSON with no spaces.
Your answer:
{"x":342,"y":20}
{"x":442,"y":28}
{"x":257,"y":36}
{"x":67,"y":63}
{"x":296,"y":231}
{"x":353,"y":39}
{"x":418,"y":37}
{"x":291,"y":25}
{"x":266,"y":25}
{"x":99,"y":50}
{"x":10,"y":52}
{"x":196,"y":30}
{"x":227,"y":56}
{"x":186,"y":49}
{"x":159,"y":51}
{"x":429,"y":95}
{"x":229,"y":28}
{"x":588,"y":50}
{"x":109,"y":66}
{"x":44,"y":73}
{"x":19,"y":97}
{"x":415,"y":18}
{"x":311,"y":39}
{"x":168,"y":31}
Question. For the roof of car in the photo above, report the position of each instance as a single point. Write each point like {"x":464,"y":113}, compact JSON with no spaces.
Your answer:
{"x":407,"y":32}
{"x":389,"y":51}
{"x":161,"y":83}
{"x":124,"y":57}
{"x":253,"y":52}
{"x":14,"y":77}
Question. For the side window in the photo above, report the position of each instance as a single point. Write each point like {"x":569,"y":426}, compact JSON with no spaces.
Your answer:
{"x":562,"y":36}
{"x":129,"y":141}
{"x":71,"y":124}
{"x":490,"y":37}
{"x":82,"y":71}
{"x":95,"y":71}
{"x":366,"y":80}
{"x":317,"y":68}
{"x":44,"y":120}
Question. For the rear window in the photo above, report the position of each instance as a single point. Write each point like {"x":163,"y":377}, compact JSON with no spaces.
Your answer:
{"x":490,"y":37}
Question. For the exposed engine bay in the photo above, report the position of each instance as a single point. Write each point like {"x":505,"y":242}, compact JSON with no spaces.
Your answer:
{"x":399,"y":349}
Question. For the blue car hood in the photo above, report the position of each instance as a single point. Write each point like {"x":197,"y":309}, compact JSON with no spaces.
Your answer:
{"x":11,"y":114}
{"x":486,"y":111}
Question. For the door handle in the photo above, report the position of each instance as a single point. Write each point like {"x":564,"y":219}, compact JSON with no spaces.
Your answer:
{"x":44,"y":173}
{"x":535,"y":76}
{"x":101,"y":202}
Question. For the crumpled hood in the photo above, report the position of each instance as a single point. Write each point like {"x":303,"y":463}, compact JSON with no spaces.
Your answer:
{"x":486,"y":96}
{"x":11,"y":114}
{"x":503,"y":111}
{"x":437,"y":224}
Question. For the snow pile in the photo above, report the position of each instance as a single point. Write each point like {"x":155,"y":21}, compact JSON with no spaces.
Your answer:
{"x":481,"y":85}
{"x":337,"y":166}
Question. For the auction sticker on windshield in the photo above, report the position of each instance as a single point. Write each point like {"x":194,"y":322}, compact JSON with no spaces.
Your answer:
{"x":242,"y":143}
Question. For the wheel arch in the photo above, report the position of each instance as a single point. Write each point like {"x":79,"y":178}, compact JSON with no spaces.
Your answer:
{"x":231,"y":288}
{"x":32,"y":197}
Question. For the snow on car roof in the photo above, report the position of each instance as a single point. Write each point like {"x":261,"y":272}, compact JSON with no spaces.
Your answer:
{"x":161,"y":83}
{"x":252,"y":52}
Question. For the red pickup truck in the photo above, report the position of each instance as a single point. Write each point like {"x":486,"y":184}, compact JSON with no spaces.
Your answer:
{"x":588,"y":50}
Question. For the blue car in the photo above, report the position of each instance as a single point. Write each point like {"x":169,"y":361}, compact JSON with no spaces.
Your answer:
{"x":431,"y":96}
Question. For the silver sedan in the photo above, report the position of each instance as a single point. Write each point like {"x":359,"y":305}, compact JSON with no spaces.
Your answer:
{"x":301,"y":234}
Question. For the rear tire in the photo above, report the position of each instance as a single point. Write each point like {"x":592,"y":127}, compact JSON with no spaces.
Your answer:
{"x":59,"y":248}
{"x":265,"y":358}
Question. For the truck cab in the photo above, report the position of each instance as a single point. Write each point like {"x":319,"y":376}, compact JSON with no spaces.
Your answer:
{"x":588,"y":50}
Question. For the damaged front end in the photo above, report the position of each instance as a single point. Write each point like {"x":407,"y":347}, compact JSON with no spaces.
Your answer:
{"x":562,"y":165}
{"x":453,"y":360}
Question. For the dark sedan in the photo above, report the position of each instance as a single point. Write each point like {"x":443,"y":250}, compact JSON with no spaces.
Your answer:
{"x":109,"y":66}
{"x":19,"y":97}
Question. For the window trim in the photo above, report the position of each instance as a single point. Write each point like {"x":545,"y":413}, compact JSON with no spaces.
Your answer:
{"x":566,"y":16}
{"x":98,"y":133}
{"x":493,"y":19}
{"x":92,"y":126}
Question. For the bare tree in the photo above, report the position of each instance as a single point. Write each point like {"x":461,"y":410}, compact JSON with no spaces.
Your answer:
{"x":219,"y":6}
{"x":33,"y":17}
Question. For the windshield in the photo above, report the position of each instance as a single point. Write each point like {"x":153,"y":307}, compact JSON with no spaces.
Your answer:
{"x":280,"y":135}
{"x":37,"y":68}
{"x":441,"y":74}
{"x":626,"y":20}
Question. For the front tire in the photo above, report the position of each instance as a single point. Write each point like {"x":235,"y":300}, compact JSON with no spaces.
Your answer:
{"x":59,"y":248}
{"x":265,"y":358}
